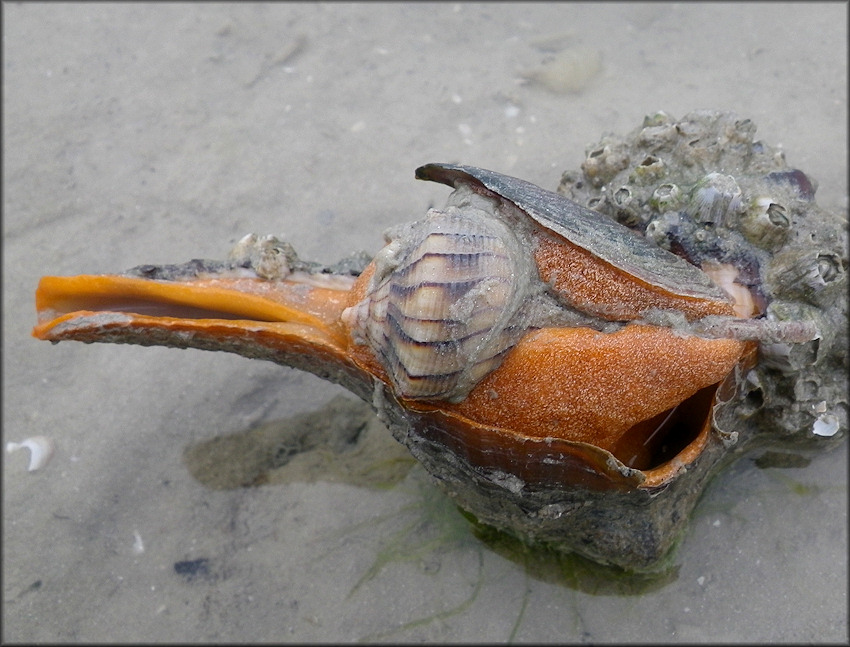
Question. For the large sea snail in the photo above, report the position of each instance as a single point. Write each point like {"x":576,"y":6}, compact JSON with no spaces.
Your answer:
{"x":553,"y":369}
{"x":450,"y":295}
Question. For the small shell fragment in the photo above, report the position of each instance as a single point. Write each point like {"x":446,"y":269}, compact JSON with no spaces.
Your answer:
{"x":138,"y":544}
{"x":826,"y":425}
{"x":570,"y":70}
{"x":41,"y":451}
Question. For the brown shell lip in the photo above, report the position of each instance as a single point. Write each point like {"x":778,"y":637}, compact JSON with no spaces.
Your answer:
{"x":298,"y":325}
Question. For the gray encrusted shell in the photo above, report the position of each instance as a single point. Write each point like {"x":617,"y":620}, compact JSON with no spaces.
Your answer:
{"x":704,"y":188}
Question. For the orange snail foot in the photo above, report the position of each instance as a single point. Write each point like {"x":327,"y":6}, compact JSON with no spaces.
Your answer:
{"x":617,"y":391}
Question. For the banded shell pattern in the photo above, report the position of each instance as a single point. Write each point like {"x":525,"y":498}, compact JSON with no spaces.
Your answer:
{"x":443,"y":306}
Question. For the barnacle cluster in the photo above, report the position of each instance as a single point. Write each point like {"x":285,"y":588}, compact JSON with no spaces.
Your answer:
{"x":705,"y":189}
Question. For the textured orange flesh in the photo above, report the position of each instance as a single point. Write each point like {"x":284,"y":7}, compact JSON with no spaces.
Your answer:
{"x":592,"y":285}
{"x":581,"y":385}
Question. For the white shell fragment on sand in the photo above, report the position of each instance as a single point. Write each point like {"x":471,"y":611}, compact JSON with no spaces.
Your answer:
{"x":138,"y":544}
{"x":41,"y":451}
{"x":826,"y":425}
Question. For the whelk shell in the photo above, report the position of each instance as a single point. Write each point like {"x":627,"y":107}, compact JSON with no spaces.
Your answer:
{"x":565,"y":378}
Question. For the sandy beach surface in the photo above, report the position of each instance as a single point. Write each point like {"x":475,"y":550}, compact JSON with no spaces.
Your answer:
{"x":157,"y":133}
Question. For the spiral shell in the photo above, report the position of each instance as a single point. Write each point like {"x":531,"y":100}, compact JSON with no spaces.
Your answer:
{"x":442,"y":307}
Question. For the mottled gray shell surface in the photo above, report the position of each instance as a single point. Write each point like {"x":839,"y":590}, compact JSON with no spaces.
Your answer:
{"x":704,"y":188}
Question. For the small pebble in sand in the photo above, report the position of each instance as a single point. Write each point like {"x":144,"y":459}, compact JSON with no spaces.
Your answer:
{"x":138,"y":544}
{"x":570,"y":70}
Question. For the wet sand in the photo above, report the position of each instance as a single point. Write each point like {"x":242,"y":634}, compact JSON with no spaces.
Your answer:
{"x":148,"y":133}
